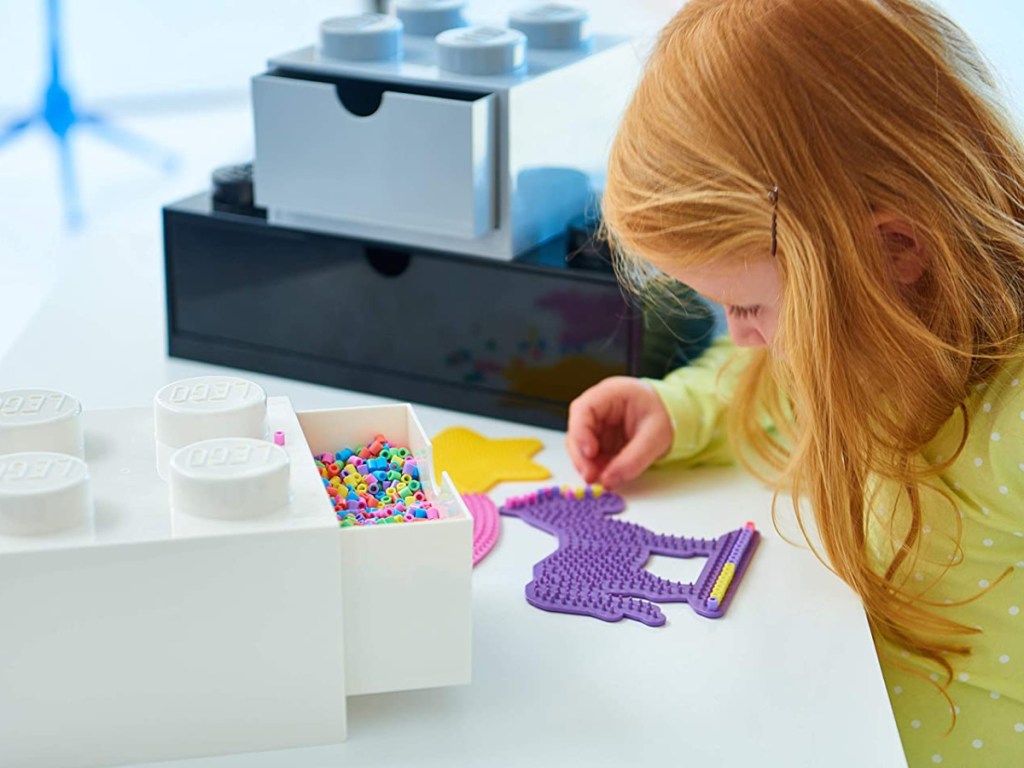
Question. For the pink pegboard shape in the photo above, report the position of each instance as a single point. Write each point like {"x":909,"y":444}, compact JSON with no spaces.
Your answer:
{"x":486,"y":523}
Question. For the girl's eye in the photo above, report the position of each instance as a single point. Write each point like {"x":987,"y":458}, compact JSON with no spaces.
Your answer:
{"x":742,"y":312}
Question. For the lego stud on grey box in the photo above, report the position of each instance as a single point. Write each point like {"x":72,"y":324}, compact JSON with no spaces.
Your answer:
{"x":481,"y":51}
{"x":427,"y":18}
{"x":364,"y":37}
{"x":552,"y":25}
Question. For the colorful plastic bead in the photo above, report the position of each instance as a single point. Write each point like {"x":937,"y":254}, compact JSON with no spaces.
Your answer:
{"x":375,"y":484}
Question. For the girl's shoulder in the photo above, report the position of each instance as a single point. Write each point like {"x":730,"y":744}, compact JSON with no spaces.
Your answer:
{"x":996,"y":407}
{"x":991,"y":468}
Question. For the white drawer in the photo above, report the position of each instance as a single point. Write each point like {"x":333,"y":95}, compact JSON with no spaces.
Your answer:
{"x":403,"y":584}
{"x":423,"y":163}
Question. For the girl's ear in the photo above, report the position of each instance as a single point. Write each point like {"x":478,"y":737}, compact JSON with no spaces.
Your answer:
{"x":907,"y":255}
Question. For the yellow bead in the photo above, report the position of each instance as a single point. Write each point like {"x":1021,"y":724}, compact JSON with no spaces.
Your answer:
{"x":723,"y":581}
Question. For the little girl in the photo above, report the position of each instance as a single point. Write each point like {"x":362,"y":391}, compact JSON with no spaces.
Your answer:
{"x":837,"y":174}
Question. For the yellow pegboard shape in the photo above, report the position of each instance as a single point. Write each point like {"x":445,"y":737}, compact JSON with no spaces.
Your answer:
{"x":477,"y":463}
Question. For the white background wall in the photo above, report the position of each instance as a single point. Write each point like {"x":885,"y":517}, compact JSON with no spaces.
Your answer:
{"x":177,"y":73}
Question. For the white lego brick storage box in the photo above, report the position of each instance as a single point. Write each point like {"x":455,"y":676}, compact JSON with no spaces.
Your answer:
{"x":220,"y":610}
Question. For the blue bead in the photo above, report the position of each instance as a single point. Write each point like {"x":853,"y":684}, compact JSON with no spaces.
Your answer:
{"x":344,"y":454}
{"x":420,"y":513}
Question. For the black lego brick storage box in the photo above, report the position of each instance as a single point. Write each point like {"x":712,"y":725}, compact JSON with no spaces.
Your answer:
{"x":516,"y":340}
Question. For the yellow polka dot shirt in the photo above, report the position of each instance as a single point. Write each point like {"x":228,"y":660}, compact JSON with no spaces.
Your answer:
{"x":970,"y":562}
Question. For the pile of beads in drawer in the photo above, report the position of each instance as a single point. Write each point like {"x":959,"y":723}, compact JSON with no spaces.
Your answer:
{"x":375,"y":484}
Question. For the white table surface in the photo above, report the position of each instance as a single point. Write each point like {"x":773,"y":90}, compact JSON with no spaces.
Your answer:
{"x":788,"y":677}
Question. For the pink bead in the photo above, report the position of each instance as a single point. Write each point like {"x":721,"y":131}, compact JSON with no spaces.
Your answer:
{"x":279,"y":438}
{"x":432,"y":514}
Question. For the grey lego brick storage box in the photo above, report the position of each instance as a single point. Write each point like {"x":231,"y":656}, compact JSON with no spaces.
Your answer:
{"x":474,"y":141}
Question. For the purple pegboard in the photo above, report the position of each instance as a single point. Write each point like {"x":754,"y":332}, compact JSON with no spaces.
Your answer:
{"x":486,"y":523}
{"x":599,"y":566}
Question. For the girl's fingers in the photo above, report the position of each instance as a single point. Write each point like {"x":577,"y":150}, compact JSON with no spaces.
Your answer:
{"x":630,"y":462}
{"x":585,"y":467}
{"x":584,"y":433}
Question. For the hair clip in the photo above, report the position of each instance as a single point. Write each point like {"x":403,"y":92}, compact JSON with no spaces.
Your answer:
{"x":773,"y":196}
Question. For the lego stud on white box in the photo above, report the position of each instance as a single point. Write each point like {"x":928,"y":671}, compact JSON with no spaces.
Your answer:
{"x":40,"y":420}
{"x":231,"y":478}
{"x":427,"y":18}
{"x":364,"y":37}
{"x":43,"y":492}
{"x":204,"y":408}
{"x":551,"y":25}
{"x":481,"y":51}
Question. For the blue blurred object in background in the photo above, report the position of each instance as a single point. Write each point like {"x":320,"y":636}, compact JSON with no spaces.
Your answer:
{"x":59,"y":114}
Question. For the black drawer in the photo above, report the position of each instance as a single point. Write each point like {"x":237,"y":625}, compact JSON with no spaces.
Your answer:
{"x":515,"y":340}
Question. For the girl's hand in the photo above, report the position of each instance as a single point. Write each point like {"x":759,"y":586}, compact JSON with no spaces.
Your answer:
{"x":617,"y":429}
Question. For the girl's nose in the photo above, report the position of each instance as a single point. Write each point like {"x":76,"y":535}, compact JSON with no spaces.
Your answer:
{"x":745,"y":332}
